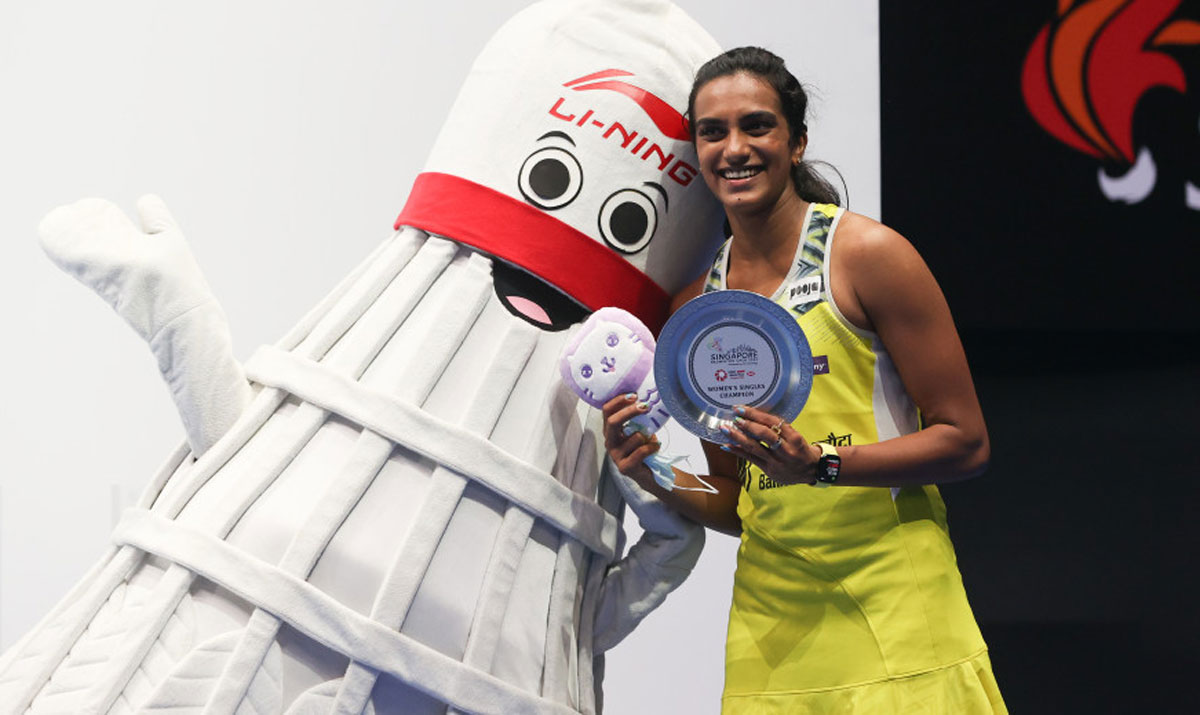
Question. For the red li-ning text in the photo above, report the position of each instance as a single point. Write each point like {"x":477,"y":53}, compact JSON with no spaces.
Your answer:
{"x":638,"y":145}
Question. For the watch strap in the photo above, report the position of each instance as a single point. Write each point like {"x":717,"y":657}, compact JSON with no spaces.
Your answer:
{"x":829,"y":465}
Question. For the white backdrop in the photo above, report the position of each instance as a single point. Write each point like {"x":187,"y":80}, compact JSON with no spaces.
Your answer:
{"x":284,"y":136}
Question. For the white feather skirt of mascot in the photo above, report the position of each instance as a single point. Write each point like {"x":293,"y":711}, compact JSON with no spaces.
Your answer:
{"x":408,"y":511}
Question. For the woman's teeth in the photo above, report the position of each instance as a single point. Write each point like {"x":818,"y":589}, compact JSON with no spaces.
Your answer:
{"x":739,"y":173}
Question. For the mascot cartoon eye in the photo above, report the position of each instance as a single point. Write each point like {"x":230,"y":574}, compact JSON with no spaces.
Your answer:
{"x":550,"y":178}
{"x":627,"y":220}
{"x":612,"y":340}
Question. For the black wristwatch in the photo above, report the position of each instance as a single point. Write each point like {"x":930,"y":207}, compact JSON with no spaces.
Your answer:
{"x":828,"y":466}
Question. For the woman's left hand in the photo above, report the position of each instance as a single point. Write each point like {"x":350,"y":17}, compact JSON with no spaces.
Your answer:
{"x":771,"y":444}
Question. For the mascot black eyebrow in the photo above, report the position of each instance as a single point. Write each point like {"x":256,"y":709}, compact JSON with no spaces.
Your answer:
{"x":400,"y":507}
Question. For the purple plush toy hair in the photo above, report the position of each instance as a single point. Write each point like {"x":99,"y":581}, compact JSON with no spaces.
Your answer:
{"x":632,"y":379}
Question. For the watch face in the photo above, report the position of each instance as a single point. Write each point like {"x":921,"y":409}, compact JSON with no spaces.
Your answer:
{"x":828,"y":468}
{"x":730,"y":348}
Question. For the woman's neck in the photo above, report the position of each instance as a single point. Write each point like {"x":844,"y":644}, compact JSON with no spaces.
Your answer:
{"x":764,"y":244}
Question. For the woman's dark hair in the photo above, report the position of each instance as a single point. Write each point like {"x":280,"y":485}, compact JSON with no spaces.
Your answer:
{"x":768,"y":66}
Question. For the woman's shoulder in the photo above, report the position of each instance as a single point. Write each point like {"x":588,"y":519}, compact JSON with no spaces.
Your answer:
{"x":857,"y":228}
{"x":861,"y":239}
{"x":689,"y":291}
{"x":698,"y":286}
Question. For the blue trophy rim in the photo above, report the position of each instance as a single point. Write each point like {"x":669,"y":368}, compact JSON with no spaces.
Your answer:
{"x":700,"y":316}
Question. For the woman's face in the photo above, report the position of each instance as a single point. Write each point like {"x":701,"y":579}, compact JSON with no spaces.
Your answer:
{"x":742,"y":141}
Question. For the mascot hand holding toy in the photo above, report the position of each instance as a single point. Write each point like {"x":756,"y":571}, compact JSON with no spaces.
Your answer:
{"x":400,"y":507}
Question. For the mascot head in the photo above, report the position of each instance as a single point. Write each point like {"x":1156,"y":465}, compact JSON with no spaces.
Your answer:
{"x":567,"y":154}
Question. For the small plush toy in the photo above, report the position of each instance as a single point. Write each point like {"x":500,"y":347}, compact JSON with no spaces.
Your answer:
{"x":613,"y":354}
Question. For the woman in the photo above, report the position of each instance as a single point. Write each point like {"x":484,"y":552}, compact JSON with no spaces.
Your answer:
{"x":846,"y":599}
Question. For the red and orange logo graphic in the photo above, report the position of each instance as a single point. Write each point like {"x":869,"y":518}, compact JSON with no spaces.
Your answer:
{"x":1088,"y":69}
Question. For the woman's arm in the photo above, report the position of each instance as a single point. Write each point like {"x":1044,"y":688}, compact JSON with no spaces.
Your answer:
{"x":715,"y":510}
{"x":880,"y":283}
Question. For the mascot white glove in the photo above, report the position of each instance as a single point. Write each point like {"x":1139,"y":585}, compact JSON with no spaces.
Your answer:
{"x":662,"y":558}
{"x":150,"y":278}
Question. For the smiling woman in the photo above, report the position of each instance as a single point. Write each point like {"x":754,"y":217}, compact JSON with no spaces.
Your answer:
{"x":845,"y":599}
{"x":745,"y":149}
{"x":772,"y":106}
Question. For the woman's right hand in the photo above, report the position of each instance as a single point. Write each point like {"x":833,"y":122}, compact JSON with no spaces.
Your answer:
{"x":714,"y":509}
{"x":628,"y":452}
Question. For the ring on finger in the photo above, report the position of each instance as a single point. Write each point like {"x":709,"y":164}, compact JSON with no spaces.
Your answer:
{"x":778,"y":428}
{"x":775,"y":444}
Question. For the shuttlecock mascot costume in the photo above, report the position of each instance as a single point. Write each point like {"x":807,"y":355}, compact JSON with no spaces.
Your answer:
{"x":404,"y":509}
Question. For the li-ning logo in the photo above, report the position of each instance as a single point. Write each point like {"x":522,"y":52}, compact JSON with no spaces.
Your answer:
{"x":666,"y":119}
{"x":664,"y":116}
{"x":1088,"y":69}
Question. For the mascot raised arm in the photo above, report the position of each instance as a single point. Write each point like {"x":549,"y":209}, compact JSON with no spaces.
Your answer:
{"x":400,"y":507}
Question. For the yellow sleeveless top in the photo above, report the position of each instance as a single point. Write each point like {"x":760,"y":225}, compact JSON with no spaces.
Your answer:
{"x":847,"y":599}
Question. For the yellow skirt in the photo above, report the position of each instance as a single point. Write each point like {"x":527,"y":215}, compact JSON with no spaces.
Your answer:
{"x":965,"y":688}
{"x":857,"y":606}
